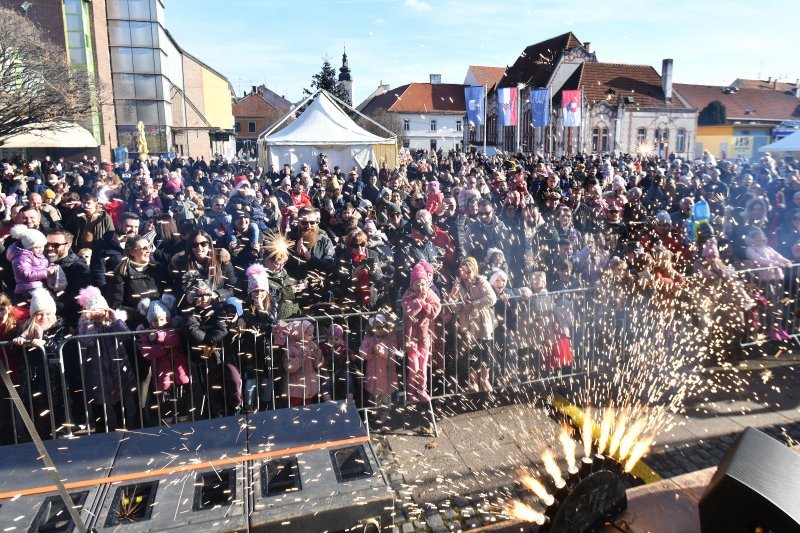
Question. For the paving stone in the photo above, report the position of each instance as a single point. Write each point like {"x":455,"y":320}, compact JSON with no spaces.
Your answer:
{"x":454,"y":526}
{"x":459,"y":501}
{"x":450,"y":514}
{"x":436,"y":523}
{"x":407,"y":528}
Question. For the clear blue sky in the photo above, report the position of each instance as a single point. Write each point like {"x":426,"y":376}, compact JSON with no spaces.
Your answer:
{"x":282,"y":43}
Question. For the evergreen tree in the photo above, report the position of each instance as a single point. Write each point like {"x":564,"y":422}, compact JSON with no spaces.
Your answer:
{"x":713,"y":115}
{"x":326,"y":79}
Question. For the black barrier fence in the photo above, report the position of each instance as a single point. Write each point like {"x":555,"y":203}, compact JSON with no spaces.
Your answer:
{"x":102,"y":382}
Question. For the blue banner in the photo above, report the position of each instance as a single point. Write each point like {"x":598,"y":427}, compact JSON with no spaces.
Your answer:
{"x":473,"y":98}
{"x":540,"y":107}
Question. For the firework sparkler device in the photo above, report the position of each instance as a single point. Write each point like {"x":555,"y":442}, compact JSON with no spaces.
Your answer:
{"x":301,"y":469}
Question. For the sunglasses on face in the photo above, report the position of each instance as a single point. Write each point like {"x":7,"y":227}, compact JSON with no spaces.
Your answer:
{"x":358,"y":245}
{"x":308,"y":222}
{"x":200,"y":244}
{"x":485,"y":214}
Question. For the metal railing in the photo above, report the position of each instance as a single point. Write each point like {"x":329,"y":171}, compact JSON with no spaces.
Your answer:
{"x":102,"y":382}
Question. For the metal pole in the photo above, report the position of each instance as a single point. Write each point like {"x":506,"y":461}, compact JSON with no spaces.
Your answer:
{"x":519,"y":115}
{"x":485,"y":103}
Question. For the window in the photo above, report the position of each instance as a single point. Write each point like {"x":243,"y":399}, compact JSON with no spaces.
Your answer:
{"x":595,"y":139}
{"x":433,"y":125}
{"x":237,"y":127}
{"x":458,"y":125}
{"x":681,"y":141}
{"x":604,"y":140}
{"x":406,"y":143}
{"x":433,"y":144}
{"x":251,"y":127}
{"x":641,"y":135}
{"x":406,"y":125}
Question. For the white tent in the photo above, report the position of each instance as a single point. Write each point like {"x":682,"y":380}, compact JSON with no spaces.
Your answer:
{"x":55,"y":135}
{"x":790,"y":143}
{"x":324,"y":128}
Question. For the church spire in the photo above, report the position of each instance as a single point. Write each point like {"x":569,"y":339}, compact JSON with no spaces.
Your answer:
{"x":344,"y":72}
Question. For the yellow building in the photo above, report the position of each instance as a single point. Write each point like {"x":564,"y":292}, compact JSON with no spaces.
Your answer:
{"x":733,"y":141}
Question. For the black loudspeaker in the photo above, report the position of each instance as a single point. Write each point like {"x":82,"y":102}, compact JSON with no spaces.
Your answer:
{"x":755,"y":488}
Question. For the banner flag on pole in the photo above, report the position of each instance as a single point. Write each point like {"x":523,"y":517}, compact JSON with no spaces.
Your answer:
{"x":474,"y":100}
{"x":571,"y":102}
{"x":540,"y":107}
{"x":507,"y":106}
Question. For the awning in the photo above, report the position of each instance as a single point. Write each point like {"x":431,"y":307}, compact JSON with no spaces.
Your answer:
{"x":59,"y":135}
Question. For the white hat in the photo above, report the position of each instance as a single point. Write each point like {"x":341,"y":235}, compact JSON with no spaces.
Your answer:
{"x":29,"y":238}
{"x":257,"y":278}
{"x":497,"y":274}
{"x":42,"y":300}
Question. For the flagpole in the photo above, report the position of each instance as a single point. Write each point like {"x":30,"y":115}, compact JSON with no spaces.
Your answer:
{"x":485,"y":125}
{"x":519,"y":116}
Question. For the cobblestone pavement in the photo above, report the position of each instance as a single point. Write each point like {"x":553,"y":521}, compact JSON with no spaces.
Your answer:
{"x":459,"y":479}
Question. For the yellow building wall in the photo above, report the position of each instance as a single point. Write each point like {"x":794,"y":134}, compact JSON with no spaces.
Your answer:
{"x":715,"y":139}
{"x":217,"y":100}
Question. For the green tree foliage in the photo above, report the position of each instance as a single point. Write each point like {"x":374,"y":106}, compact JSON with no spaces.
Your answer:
{"x":713,"y":114}
{"x":326,"y":79}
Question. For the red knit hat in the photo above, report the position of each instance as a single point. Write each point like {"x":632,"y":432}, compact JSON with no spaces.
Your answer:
{"x":238,"y":179}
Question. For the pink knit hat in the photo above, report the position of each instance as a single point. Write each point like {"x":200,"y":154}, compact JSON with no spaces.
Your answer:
{"x":418,"y":274}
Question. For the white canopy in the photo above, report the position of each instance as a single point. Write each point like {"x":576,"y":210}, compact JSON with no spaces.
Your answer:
{"x":324,"y":128}
{"x":56,"y":135}
{"x":790,"y":143}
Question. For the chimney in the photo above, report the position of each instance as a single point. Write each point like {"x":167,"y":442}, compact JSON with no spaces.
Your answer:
{"x":436,"y":79}
{"x":254,"y":90}
{"x":796,"y":90}
{"x":588,"y":46}
{"x":775,"y":84}
{"x":666,"y":79}
{"x":769,"y":79}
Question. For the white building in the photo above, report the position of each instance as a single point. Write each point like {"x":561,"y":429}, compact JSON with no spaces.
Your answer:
{"x":430,"y":115}
{"x":624,"y":106}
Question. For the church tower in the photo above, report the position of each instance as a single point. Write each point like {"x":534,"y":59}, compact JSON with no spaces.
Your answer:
{"x":344,"y":77}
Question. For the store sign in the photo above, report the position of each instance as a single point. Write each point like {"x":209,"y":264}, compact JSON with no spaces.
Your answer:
{"x":742,"y":146}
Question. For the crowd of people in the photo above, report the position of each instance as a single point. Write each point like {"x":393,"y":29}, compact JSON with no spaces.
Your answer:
{"x":229,"y":266}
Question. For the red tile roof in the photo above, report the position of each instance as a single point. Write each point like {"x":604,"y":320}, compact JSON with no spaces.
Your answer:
{"x":641,"y":82}
{"x":421,"y":98}
{"x":775,"y":85}
{"x":488,"y":76}
{"x":744,"y":104}
{"x":534,"y":66}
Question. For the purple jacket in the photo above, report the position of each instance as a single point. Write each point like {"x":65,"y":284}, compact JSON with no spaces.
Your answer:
{"x":30,"y":269}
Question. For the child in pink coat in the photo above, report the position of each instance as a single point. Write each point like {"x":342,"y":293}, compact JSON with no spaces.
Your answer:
{"x":770,"y":276}
{"x":302,"y":360}
{"x":380,"y":350}
{"x":420,"y":308}
{"x":164,"y":348}
{"x":28,"y":262}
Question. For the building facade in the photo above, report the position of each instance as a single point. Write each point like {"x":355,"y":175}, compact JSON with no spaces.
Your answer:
{"x":429,"y":116}
{"x":756,"y":114}
{"x":185,"y":105}
{"x":255,"y":112}
{"x":624,"y":108}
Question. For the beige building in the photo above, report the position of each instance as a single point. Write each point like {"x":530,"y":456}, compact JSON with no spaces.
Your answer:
{"x":625,"y":108}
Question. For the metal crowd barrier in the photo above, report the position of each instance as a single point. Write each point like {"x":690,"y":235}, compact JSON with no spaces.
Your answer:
{"x":76,"y":391}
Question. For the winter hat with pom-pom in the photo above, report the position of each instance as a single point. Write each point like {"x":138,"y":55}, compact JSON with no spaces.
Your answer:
{"x":157,"y":309}
{"x":42,"y":300}
{"x":91,"y":299}
{"x":257,"y":278}
{"x":335,"y":330}
{"x":418,"y":274}
{"x":29,"y":238}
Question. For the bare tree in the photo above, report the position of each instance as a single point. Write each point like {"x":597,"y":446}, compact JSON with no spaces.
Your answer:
{"x":38,"y":88}
{"x":390,"y":121}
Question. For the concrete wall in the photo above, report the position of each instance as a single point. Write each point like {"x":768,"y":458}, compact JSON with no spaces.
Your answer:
{"x":103,"y":69}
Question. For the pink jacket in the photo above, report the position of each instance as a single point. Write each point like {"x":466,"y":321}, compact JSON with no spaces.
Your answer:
{"x":419,"y":315}
{"x":301,"y":362}
{"x":381,"y":364}
{"x":168,"y":355}
{"x":766,"y":256}
{"x":30,"y":269}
